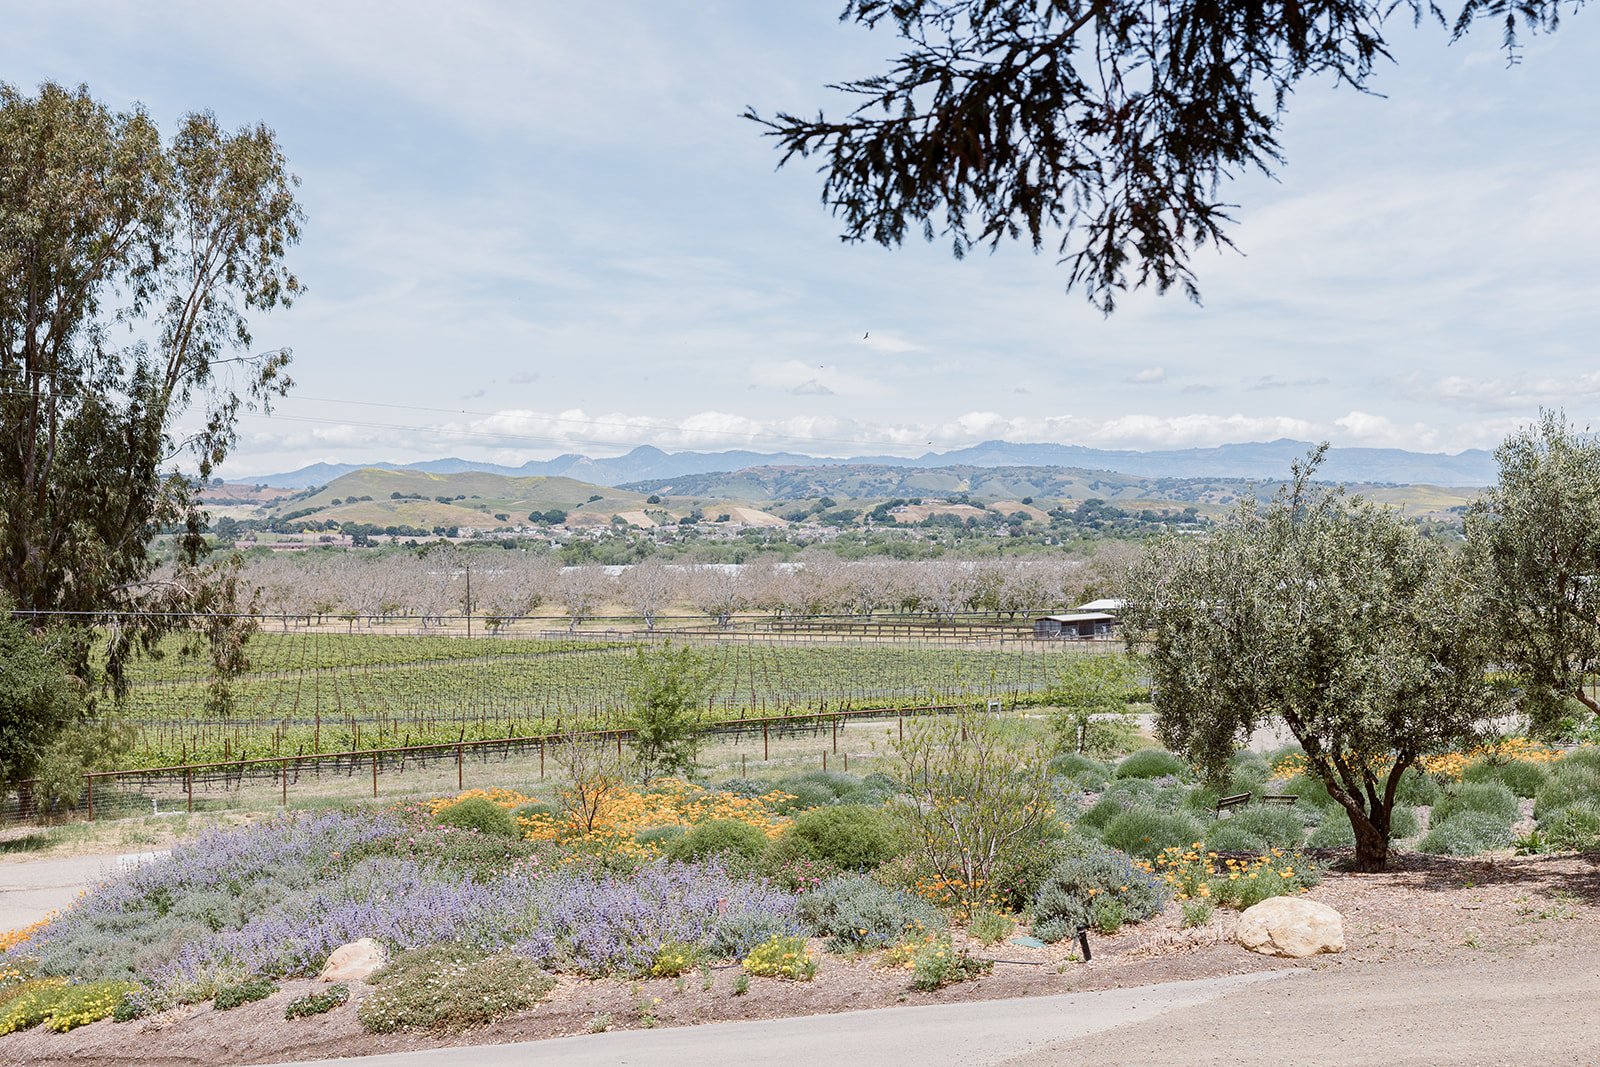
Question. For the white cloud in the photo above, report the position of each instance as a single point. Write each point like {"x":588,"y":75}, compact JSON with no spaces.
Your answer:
{"x":810,"y":387}
{"x":1149,"y":376}
{"x":1516,"y":393}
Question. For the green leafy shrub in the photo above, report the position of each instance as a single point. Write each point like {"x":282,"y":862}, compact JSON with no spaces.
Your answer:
{"x":1519,"y":776}
{"x":1151,"y":763}
{"x":781,"y":957}
{"x":537,"y":807}
{"x":1467,"y":833}
{"x":1489,"y":797}
{"x":1065,"y":900}
{"x":1574,"y":828}
{"x":937,"y":962}
{"x":797,"y":874}
{"x":662,"y":836}
{"x":480,"y":814}
{"x":232,"y":996}
{"x":1144,"y":832}
{"x":724,"y":839}
{"x":450,"y":988}
{"x":1311,"y":790}
{"x":990,"y":927}
{"x":1257,"y":829}
{"x":849,"y":836}
{"x":1023,"y":867}
{"x":317,"y":1003}
{"x":1569,"y":783}
{"x":1107,"y":915}
{"x":1198,"y":911}
{"x":854,"y":912}
{"x":88,"y":1002}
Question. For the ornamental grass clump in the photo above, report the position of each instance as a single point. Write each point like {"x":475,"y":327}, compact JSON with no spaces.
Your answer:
{"x":1570,"y":782}
{"x":1085,"y":773}
{"x":1066,"y":899}
{"x":1491,"y":798}
{"x":1520,"y":776}
{"x":1151,"y":763}
{"x":1257,"y":829}
{"x":1144,"y":831}
{"x":1467,"y":833}
{"x":781,"y":957}
{"x":854,"y":913}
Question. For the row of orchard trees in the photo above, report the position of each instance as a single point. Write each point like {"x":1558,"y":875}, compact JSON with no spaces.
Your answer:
{"x":436,"y":583}
{"x":1374,"y":644}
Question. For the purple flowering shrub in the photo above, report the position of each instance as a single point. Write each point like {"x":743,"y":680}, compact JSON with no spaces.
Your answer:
{"x":277,"y":898}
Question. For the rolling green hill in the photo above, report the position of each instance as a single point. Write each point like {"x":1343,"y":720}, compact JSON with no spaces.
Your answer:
{"x":470,"y":498}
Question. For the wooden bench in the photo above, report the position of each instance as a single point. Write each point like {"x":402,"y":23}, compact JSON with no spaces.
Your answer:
{"x":1285,"y":799}
{"x":1238,"y":800}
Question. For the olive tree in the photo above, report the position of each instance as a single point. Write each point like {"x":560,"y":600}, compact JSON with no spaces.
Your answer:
{"x":1331,"y":615}
{"x":1534,"y":541}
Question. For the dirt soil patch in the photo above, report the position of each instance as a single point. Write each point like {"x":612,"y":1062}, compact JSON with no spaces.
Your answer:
{"x":1425,"y":913}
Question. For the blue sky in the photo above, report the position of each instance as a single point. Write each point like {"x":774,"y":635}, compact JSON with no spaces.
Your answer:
{"x":542,"y":227}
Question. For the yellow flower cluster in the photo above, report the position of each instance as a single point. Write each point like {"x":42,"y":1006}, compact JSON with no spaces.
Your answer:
{"x":1449,"y":765}
{"x":781,"y":957}
{"x":956,"y":895}
{"x":625,"y":811}
{"x":1189,"y":872}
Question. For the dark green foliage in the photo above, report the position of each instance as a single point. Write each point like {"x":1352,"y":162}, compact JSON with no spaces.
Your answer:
{"x":39,"y":700}
{"x":1013,"y":119}
{"x":451,"y":989}
{"x":1311,"y":791}
{"x":728,"y":840}
{"x":1519,"y":776}
{"x":1024,"y":867}
{"x":1467,"y":833}
{"x":1066,"y":898}
{"x":1151,"y":763}
{"x":231,"y":996}
{"x":664,"y":705}
{"x":317,"y":1003}
{"x":480,"y":814}
{"x":849,"y":836}
{"x":1491,"y":797}
{"x":537,"y":807}
{"x":1257,"y":829}
{"x":1144,"y":832}
{"x":854,"y":912}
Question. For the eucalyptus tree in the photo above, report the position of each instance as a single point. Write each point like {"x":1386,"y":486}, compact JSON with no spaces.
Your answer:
{"x":130,"y":268}
{"x":1534,"y":539}
{"x":1113,"y":122}
{"x":1331,"y":615}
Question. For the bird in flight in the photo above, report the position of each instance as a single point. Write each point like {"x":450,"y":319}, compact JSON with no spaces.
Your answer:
{"x":866,"y":335}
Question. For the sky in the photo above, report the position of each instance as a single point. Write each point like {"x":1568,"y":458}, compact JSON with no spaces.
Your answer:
{"x":539,"y":227}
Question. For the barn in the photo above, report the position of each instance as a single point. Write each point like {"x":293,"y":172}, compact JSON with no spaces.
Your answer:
{"x":1075,"y":624}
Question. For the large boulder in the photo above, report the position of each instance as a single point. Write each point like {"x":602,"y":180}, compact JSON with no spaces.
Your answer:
{"x":1291,"y":926}
{"x":354,"y":962}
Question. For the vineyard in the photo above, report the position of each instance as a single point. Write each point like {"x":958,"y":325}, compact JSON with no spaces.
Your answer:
{"x":309,"y":691}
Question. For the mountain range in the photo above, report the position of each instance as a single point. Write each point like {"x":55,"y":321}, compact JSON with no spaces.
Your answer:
{"x":1256,"y":460}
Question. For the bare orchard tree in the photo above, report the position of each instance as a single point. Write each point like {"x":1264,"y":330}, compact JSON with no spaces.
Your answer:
{"x":647,"y":589}
{"x":597,"y":769}
{"x":506,"y":586}
{"x":581,"y":591}
{"x":718,"y":591}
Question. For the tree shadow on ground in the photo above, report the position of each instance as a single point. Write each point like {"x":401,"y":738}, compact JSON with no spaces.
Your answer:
{"x":1572,"y":876}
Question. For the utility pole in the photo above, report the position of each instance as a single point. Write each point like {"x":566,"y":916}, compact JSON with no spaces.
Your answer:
{"x":468,"y":567}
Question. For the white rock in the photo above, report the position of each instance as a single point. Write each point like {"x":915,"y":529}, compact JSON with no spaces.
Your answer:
{"x":1291,"y":926}
{"x":354,"y":962}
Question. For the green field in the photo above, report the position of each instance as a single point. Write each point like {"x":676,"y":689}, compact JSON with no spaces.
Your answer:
{"x":311,"y":692}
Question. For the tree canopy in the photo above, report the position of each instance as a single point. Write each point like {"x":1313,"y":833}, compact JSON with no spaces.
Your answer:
{"x":1326,"y":613}
{"x":129,"y":267}
{"x":1113,"y":121}
{"x":1534,"y":539}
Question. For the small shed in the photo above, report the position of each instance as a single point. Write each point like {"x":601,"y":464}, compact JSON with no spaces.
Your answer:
{"x":1075,"y":624}
{"x":1110,"y":604}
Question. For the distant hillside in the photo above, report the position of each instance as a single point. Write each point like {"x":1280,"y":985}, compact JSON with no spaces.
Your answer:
{"x":1257,"y":460}
{"x":988,"y":485}
{"x":471,"y":498}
